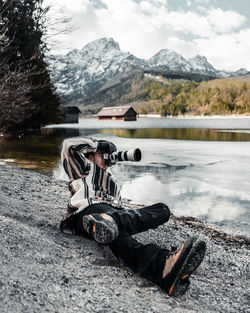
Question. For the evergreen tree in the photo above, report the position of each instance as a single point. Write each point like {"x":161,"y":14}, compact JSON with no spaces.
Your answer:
{"x":22,"y":23}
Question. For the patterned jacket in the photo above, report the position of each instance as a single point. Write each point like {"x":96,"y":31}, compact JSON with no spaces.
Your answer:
{"x":88,"y":184}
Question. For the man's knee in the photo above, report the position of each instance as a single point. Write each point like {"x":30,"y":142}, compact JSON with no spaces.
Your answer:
{"x":165,"y":209}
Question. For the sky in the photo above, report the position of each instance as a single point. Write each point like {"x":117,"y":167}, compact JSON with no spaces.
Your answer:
{"x":216,"y":29}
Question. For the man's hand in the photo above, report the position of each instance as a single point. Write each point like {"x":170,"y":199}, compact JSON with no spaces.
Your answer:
{"x":106,"y":146}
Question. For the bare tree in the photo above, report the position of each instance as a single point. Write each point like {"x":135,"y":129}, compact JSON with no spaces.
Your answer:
{"x":15,"y":88}
{"x":57,"y":23}
{"x":15,"y":96}
{"x":25,"y":87}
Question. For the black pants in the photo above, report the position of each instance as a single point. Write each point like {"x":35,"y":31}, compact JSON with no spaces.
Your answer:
{"x":146,"y":260}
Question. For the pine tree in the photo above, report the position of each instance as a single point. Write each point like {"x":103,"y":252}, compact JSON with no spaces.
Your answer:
{"x":22,"y":22}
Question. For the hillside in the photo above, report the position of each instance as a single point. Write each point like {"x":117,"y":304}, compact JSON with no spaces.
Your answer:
{"x":219,"y":96}
{"x":135,"y":86}
{"x":157,"y":94}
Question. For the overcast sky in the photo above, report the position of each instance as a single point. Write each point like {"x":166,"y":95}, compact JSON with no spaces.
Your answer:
{"x":217,"y":29}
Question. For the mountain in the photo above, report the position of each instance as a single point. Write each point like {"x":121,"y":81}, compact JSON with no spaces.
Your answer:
{"x":100,"y":65}
{"x":241,"y":72}
{"x":169,"y":60}
{"x":200,"y":64}
{"x":82,"y":72}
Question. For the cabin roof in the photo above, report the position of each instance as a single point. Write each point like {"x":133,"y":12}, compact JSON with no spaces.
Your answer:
{"x":115,"y":111}
{"x":71,"y":110}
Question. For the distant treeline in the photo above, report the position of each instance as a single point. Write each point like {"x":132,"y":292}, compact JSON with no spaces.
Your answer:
{"x":174,"y":97}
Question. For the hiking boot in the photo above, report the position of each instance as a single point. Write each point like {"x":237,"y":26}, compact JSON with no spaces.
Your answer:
{"x":102,"y":227}
{"x":67,"y":224}
{"x":180,"y":265}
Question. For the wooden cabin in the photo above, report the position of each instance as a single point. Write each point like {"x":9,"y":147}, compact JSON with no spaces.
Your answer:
{"x":125,"y":113}
{"x":70,"y":114}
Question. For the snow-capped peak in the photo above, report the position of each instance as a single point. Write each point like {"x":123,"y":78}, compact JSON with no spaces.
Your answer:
{"x":200,"y":63}
{"x":242,"y":71}
{"x":102,"y":44}
{"x":166,"y":58}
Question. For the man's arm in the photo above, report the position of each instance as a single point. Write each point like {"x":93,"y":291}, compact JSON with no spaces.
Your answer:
{"x":73,"y":158}
{"x":77,"y":166}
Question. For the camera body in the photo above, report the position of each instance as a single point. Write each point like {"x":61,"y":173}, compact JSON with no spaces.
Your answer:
{"x":133,"y":155}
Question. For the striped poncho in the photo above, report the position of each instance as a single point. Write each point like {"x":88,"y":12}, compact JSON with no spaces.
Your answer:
{"x":88,"y":184}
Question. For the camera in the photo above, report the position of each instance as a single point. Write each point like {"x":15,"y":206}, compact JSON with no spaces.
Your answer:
{"x":133,"y":155}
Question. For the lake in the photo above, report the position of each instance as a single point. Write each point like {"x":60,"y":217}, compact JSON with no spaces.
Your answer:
{"x":198,"y":166}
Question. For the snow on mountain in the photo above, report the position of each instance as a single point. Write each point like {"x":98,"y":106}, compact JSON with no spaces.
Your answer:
{"x":80,"y":73}
{"x":241,"y":71}
{"x":168,"y":59}
{"x":200,"y":64}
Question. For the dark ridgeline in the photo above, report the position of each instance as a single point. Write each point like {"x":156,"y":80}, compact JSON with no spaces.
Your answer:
{"x":27,"y":97}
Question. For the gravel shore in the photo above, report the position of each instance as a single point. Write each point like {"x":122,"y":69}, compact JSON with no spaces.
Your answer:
{"x":44,"y":270}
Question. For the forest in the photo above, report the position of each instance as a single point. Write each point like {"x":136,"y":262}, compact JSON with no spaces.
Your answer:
{"x":179,"y":96}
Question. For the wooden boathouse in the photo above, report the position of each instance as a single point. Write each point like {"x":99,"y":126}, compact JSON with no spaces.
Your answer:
{"x":125,"y":113}
{"x":70,"y":114}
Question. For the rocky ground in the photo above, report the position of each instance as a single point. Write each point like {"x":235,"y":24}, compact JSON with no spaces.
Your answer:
{"x":44,"y":270}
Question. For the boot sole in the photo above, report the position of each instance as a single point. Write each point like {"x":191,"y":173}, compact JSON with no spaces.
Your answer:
{"x":193,"y":260}
{"x":104,"y":231}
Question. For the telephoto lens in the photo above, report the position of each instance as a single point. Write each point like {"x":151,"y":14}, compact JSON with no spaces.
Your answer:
{"x":133,"y":155}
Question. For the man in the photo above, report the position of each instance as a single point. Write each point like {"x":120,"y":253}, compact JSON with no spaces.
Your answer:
{"x":95,"y":210}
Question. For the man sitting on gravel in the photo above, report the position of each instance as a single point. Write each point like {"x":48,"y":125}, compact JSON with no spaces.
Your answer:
{"x":95,"y":211}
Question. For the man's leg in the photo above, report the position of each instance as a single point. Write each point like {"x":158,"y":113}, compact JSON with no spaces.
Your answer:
{"x":72,"y":222}
{"x":139,"y":220}
{"x":170,"y":271}
{"x":146,"y":260}
{"x":101,"y":227}
{"x":94,"y":222}
{"x":103,"y":223}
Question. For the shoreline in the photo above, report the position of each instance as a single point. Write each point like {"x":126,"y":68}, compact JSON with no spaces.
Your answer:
{"x":43,"y":269}
{"x":178,"y":116}
{"x":191,"y":122}
{"x":20,"y":133}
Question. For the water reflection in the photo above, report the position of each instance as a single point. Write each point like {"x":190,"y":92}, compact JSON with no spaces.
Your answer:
{"x":188,"y":191}
{"x":160,"y":171}
{"x":38,"y":151}
{"x":180,"y":134}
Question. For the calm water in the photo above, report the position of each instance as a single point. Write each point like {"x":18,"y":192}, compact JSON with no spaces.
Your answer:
{"x":202,"y":172}
{"x":225,"y":123}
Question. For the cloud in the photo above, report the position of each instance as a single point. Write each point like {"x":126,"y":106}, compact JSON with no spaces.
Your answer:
{"x":190,"y":22}
{"x":227,"y":51}
{"x":84,"y":21}
{"x":145,"y":27}
{"x":214,"y":21}
{"x":224,"y":21}
{"x":202,"y":1}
